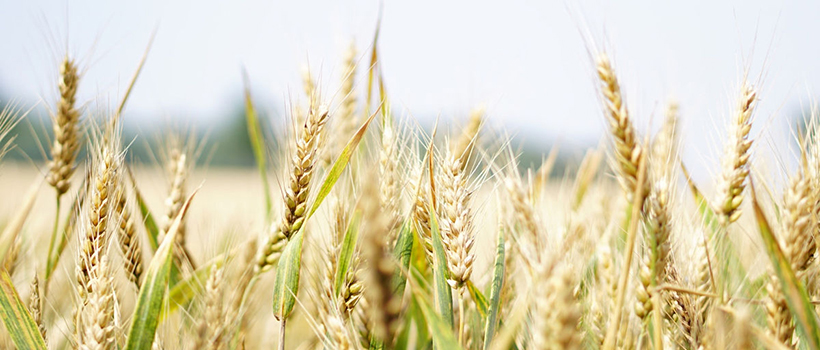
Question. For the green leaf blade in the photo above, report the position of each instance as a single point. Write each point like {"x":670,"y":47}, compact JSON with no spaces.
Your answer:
{"x":147,"y":218}
{"x":402,"y":253}
{"x":339,"y":165}
{"x":346,"y":253}
{"x":19,"y":323}
{"x":150,"y":299}
{"x":794,"y":292}
{"x":286,"y":282}
{"x":443,"y":291}
{"x":441,"y":331}
{"x":257,"y":144}
{"x":495,"y":293}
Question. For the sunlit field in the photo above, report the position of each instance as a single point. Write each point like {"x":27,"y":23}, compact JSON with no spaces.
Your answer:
{"x":359,"y":228}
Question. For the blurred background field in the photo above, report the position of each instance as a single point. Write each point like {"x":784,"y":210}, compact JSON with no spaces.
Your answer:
{"x":526,"y":62}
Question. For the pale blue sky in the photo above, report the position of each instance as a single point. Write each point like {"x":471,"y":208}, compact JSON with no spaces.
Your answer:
{"x":527,"y":61}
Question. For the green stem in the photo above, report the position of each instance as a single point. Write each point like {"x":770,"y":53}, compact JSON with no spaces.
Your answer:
{"x":461,"y":316}
{"x":247,"y":293}
{"x":282,"y":334}
{"x":50,"y":256}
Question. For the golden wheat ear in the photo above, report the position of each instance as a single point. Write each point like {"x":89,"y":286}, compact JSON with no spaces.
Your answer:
{"x":66,"y":121}
{"x":628,"y":151}
{"x":381,"y":265}
{"x":296,"y":191}
{"x":735,"y":162}
{"x":129,"y":241}
{"x":210,"y":329}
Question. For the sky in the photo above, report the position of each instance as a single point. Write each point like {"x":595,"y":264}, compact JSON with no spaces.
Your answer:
{"x":530,"y":63}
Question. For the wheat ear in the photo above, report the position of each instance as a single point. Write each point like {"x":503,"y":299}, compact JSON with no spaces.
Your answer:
{"x":628,"y":151}
{"x":106,"y":165}
{"x":127,"y":236}
{"x":466,"y":142}
{"x":66,"y":129}
{"x":735,"y":161}
{"x":35,"y":306}
{"x":211,"y":327}
{"x":799,"y":248}
{"x":655,"y":264}
{"x":297,"y":188}
{"x":456,"y":221}
{"x":389,"y":179}
{"x":177,"y":167}
{"x":97,"y":316}
{"x":345,"y":116}
{"x":778,"y":317}
{"x":557,"y":314}
{"x":381,"y":267}
{"x":665,"y":144}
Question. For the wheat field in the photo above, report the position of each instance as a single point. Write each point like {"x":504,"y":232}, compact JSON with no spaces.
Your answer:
{"x":366,"y":231}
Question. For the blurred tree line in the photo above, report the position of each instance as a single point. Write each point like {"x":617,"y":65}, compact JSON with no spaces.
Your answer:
{"x":225,"y":142}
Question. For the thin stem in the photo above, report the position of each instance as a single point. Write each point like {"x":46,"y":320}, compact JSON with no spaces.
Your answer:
{"x":461,"y":315}
{"x":614,"y":322}
{"x":247,"y":293}
{"x":685,"y":290}
{"x":656,"y":317}
{"x":282,"y":334}
{"x":50,"y":256}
